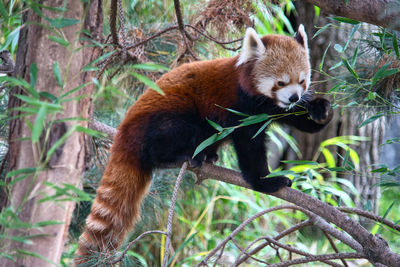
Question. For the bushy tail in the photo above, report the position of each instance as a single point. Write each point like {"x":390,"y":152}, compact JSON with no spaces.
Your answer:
{"x":114,"y":211}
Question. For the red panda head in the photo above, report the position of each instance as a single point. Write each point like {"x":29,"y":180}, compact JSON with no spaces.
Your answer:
{"x":279,"y":65}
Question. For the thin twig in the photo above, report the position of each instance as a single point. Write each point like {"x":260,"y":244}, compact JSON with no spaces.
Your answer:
{"x":113,"y":21}
{"x":240,"y":228}
{"x":171,"y":213}
{"x":371,"y":216}
{"x":122,"y":26}
{"x":334,"y":247}
{"x":123,"y":253}
{"x":277,"y":237}
{"x":323,"y":257}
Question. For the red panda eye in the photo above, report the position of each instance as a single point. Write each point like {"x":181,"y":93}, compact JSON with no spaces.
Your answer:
{"x":280,"y":83}
{"x":302,"y":81}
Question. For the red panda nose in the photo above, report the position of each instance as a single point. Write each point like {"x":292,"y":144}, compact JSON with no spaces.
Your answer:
{"x":293,"y":98}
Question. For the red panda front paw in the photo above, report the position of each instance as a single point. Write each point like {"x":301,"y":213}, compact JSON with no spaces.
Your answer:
{"x":320,"y":110}
{"x":270,"y":185}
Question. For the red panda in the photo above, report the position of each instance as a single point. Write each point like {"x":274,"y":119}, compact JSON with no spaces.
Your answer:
{"x":269,"y":75}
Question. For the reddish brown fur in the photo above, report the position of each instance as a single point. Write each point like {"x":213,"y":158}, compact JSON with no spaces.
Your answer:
{"x":199,"y":86}
{"x":124,"y":183}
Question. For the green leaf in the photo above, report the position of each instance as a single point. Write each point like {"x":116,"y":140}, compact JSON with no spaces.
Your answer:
{"x":338,"y":48}
{"x":337,"y":65}
{"x":300,"y":162}
{"x":34,"y":254}
{"x":234,"y":111}
{"x":148,"y":82}
{"x":349,"y":67}
{"x":62,"y":22}
{"x":262,"y":128}
{"x":382,"y":73}
{"x":280,"y":173}
{"x":59,"y":40}
{"x":371,"y":119}
{"x":39,"y":124}
{"x":254,"y":119}
{"x":395,"y":45}
{"x":388,"y":210}
{"x":74,"y":90}
{"x":33,"y":74}
{"x":21,"y":83}
{"x":355,"y":55}
{"x":215,"y":125}
{"x":371,"y":95}
{"x":57,"y":74}
{"x":321,"y":30}
{"x":101,"y":58}
{"x":3,"y":11}
{"x":38,"y":103}
{"x":181,"y":247}
{"x":150,"y":67}
{"x":353,"y":31}
{"x":212,"y":139}
{"x":346,"y":20}
{"x":49,"y":96}
{"x":46,"y":223}
{"x":323,"y":57}
{"x":89,"y":131}
{"x":21,"y":171}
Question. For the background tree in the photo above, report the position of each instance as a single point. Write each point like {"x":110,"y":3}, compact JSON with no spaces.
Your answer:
{"x":53,"y":48}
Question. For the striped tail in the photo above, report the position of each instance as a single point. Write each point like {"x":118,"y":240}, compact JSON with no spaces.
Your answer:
{"x":114,"y":211}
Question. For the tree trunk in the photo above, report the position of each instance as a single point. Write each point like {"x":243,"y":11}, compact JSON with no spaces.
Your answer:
{"x":68,"y":163}
{"x":341,"y":124}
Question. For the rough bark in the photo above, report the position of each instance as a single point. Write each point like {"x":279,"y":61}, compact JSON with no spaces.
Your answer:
{"x":67,"y":164}
{"x":383,"y":13}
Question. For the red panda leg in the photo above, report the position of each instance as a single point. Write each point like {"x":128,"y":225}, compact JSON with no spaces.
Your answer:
{"x":114,"y":211}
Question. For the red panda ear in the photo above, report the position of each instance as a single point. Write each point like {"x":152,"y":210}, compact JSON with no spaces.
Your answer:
{"x":301,"y":37}
{"x":252,"y":47}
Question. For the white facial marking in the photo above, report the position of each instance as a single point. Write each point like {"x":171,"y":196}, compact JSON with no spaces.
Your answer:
{"x":252,"y":47}
{"x":285,"y":78}
{"x":265,"y":85}
{"x":283,"y":94}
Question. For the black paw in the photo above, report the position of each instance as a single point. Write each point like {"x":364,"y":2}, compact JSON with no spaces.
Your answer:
{"x":270,"y":185}
{"x":212,"y":158}
{"x":197,"y":161}
{"x":320,"y":110}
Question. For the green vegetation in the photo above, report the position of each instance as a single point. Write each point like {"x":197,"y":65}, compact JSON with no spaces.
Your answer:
{"x":365,"y":75}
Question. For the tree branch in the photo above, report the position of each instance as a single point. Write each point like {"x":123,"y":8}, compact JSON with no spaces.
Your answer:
{"x":375,"y":249}
{"x":385,"y":13}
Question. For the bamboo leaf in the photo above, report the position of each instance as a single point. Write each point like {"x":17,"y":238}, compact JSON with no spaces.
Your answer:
{"x":346,"y":20}
{"x":57,"y":74}
{"x":349,"y":68}
{"x":215,"y":125}
{"x":59,"y":40}
{"x":62,"y":22}
{"x":33,"y":74}
{"x":395,"y":45}
{"x":148,"y":82}
{"x":262,"y":128}
{"x":371,"y":119}
{"x":280,"y":173}
{"x":21,"y":171}
{"x":39,"y":123}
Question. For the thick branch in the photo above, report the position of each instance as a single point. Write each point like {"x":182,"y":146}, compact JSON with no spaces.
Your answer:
{"x":374,"y":247}
{"x":385,"y":13}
